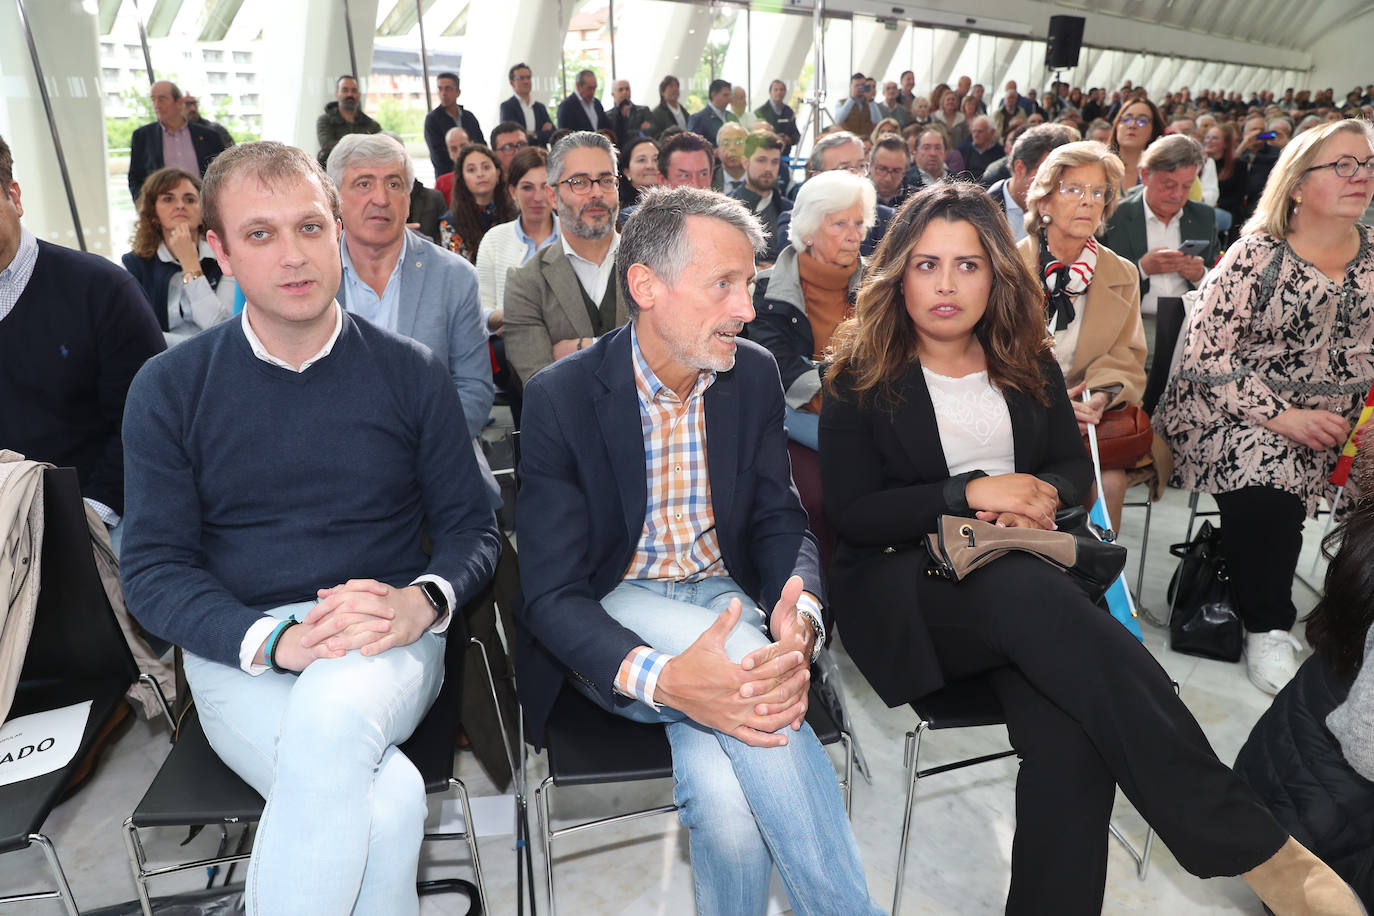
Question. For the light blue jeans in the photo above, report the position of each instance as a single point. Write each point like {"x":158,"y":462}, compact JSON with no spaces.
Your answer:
{"x":803,"y":427}
{"x":345,"y":811}
{"x":746,"y":808}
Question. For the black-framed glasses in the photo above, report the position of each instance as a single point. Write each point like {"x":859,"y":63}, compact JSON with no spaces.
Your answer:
{"x":1348,"y":166}
{"x":1138,"y":121}
{"x":511,"y":147}
{"x":582,"y":184}
{"x":884,"y":171}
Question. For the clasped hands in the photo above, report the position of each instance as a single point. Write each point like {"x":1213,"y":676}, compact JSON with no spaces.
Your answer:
{"x":1013,"y":501}
{"x":756,"y":697}
{"x":361,"y":614}
{"x":1172,"y":261}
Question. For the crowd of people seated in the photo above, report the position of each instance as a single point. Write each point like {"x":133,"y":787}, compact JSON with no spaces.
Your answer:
{"x":747,"y":386}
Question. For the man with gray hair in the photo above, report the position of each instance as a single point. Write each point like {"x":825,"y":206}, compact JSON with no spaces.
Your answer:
{"x":564,"y":298}
{"x":399,"y":280}
{"x":684,"y":588}
{"x":1031,"y":148}
{"x":171,"y":140}
{"x":836,"y":150}
{"x":1157,"y":218}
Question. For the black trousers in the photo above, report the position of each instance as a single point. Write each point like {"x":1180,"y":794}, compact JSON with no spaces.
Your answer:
{"x":1261,"y":536}
{"x":1088,"y":708}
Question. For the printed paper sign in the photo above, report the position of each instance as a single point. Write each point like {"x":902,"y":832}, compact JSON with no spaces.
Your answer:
{"x":37,"y":744}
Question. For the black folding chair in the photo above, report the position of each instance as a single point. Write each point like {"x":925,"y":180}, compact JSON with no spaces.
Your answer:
{"x":969,"y":703}
{"x":76,"y":653}
{"x":195,"y":788}
{"x":587,"y":745}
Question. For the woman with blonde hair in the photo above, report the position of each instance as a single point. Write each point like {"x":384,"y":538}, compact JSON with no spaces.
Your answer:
{"x":1276,"y":361}
{"x":942,"y":397}
{"x":1092,"y":295}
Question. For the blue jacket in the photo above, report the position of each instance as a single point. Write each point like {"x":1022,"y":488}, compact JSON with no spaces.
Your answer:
{"x":145,"y":152}
{"x":583,"y":496}
{"x":437,"y":125}
{"x":572,"y":115}
{"x":543,"y":124}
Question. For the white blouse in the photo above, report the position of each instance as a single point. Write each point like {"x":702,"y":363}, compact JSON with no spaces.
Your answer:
{"x":974,"y":423}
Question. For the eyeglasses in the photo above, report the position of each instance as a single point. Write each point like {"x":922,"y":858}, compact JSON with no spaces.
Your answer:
{"x":1137,"y":121}
{"x":581,"y":185}
{"x":859,"y":169}
{"x":1348,"y":166}
{"x":1098,"y":192}
{"x":511,"y":147}
{"x":887,"y":172}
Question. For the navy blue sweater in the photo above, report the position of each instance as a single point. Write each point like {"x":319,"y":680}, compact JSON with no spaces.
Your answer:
{"x":251,"y":486}
{"x":68,"y":351}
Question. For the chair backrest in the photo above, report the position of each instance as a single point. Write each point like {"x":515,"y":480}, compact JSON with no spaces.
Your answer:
{"x":75,"y":634}
{"x":1168,"y":327}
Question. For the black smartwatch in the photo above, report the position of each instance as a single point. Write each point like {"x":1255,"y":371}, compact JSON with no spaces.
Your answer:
{"x":435,"y":596}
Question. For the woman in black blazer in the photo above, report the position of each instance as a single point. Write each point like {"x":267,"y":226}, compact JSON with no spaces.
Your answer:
{"x":943,"y":396}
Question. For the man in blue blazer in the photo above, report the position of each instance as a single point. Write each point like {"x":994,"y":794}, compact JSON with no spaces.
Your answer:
{"x":171,"y":127}
{"x":582,"y":110}
{"x":398,"y":279}
{"x":520,"y":109}
{"x":657,"y":520}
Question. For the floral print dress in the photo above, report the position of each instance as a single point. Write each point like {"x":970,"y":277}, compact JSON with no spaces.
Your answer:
{"x":1269,"y":331}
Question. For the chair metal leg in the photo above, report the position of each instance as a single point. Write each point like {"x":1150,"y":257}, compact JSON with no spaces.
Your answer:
{"x":1192,"y":514}
{"x":151,"y":681}
{"x":1141,"y":857}
{"x":496,"y":703}
{"x":848,"y":785}
{"x":137,"y":859}
{"x":912,"y":757}
{"x":541,"y":802}
{"x":1144,"y":547}
{"x":470,"y":835}
{"x":64,"y":890}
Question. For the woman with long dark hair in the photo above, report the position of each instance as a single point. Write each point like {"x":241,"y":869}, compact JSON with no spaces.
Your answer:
{"x":1232,"y":172}
{"x":1137,"y":125}
{"x":480,"y":200}
{"x":943,"y":397}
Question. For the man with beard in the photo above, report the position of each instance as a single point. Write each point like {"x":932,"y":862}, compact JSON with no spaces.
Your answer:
{"x":342,"y":117}
{"x":565,"y":298}
{"x":763,"y":158}
{"x":685,"y":589}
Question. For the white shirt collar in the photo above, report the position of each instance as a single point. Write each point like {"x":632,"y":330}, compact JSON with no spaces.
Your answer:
{"x":261,"y":353}
{"x":574,"y":256}
{"x":1152,"y":217}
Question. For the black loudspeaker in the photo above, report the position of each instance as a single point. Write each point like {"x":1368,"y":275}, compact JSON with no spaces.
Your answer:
{"x":1064,"y":43}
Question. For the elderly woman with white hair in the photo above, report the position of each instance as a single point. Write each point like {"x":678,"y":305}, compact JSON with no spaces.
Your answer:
{"x":810,"y":289}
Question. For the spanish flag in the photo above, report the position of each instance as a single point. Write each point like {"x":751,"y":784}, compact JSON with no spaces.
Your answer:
{"x":1343,"y":463}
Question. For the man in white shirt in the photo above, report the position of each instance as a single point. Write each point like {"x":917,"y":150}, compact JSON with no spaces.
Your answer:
{"x":521,"y":109}
{"x":1155,"y":220}
{"x":565,"y":297}
{"x":1027,"y":154}
{"x":582,"y":110}
{"x":729,"y":171}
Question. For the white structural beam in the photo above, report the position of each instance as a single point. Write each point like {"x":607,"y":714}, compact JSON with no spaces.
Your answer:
{"x":1005,"y":59}
{"x":781,"y":46}
{"x":502,"y":34}
{"x":1188,"y":74}
{"x":1163,"y":74}
{"x":65,"y":32}
{"x":949,"y":45}
{"x":875,"y":44}
{"x":303,"y":73}
{"x":679,"y":33}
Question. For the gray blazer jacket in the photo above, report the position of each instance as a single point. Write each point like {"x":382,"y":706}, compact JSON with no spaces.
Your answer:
{"x":440,"y":308}
{"x":544,"y":305}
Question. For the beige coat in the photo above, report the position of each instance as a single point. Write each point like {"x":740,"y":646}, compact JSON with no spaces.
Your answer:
{"x":21,"y":554}
{"x":1111,"y":342}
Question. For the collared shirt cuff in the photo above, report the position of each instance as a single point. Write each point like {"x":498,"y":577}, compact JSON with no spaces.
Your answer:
{"x":107,"y":515}
{"x":440,"y":625}
{"x":640,"y":681}
{"x":252,"y":640}
{"x":810,"y":608}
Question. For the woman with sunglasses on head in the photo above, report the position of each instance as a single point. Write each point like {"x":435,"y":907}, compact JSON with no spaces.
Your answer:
{"x":1277,"y":358}
{"x":1137,"y":125}
{"x":943,"y":397}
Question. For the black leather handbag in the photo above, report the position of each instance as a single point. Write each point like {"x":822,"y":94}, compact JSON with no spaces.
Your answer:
{"x":1202,"y":611}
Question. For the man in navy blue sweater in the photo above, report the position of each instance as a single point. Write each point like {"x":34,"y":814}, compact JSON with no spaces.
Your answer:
{"x":282,"y":470}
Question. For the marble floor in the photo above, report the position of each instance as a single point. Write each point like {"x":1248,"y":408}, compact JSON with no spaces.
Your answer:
{"x":961,"y":837}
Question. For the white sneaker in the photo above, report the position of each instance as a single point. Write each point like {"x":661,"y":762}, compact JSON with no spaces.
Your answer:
{"x":1271,"y":659}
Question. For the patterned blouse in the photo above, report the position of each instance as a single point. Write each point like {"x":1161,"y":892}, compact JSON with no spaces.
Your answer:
{"x":1269,"y":331}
